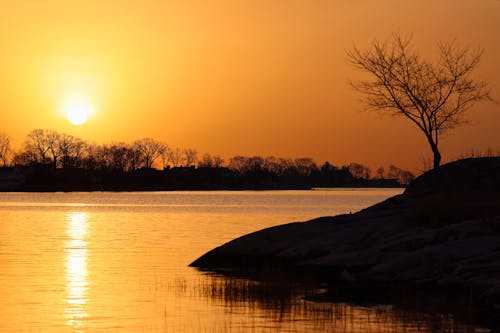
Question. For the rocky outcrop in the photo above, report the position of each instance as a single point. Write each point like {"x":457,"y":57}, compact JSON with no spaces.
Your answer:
{"x":442,"y":232}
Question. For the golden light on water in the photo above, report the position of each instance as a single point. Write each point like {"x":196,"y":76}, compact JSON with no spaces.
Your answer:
{"x":123,"y":268}
{"x":76,"y":270}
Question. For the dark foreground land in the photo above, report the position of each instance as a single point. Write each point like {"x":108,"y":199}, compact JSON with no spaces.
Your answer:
{"x":440,"y":239}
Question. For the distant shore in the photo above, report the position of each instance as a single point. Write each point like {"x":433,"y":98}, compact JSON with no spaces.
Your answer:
{"x":46,"y":178}
{"x":440,"y":237}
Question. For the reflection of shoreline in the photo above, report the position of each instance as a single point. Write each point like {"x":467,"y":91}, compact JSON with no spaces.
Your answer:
{"x":76,"y":269}
{"x":287,"y":301}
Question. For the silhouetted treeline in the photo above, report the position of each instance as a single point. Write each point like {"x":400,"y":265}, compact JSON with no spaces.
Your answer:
{"x":51,"y":161}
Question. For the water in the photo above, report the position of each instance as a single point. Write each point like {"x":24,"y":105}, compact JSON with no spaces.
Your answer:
{"x":118,"y":262}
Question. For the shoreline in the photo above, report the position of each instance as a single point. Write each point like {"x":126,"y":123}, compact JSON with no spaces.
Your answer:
{"x":184,"y":189}
{"x":48,"y":178}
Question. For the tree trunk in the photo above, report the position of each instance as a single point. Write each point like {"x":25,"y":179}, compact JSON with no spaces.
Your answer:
{"x":435,"y":152}
{"x":437,"y":158}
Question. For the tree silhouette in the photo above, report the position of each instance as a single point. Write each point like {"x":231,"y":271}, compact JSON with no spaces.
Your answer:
{"x":52,"y":139}
{"x":190,"y":156}
{"x":70,"y":150}
{"x":305,"y":166}
{"x":380,"y":173}
{"x":4,"y":148}
{"x":175,"y":156}
{"x":150,"y":150}
{"x":37,"y":146}
{"x":208,"y":161}
{"x":119,"y":156}
{"x":359,"y":170}
{"x":432,"y":95}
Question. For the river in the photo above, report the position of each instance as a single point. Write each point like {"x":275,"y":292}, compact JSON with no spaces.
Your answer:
{"x":118,"y":262}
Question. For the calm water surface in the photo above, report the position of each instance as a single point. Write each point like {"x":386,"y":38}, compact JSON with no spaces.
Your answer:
{"x":117,"y":262}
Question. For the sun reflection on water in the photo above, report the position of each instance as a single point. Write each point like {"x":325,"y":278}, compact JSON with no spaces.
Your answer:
{"x":76,"y":269}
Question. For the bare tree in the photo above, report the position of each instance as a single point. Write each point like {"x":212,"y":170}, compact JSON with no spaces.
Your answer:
{"x":99,"y":155}
{"x":210,"y":161}
{"x":305,"y":166}
{"x":244,"y":164}
{"x":150,"y":150}
{"x":393,"y":172}
{"x":273,"y":166}
{"x":190,"y":156}
{"x":238,"y":163}
{"x":5,"y":148}
{"x":218,"y":161}
{"x":118,"y":156}
{"x":70,"y":150}
{"x":37,"y":146}
{"x":90,"y":159}
{"x":359,"y":170}
{"x":52,"y":139}
{"x":432,"y":95}
{"x":287,"y":166}
{"x":134,"y":158}
{"x":165,"y":156}
{"x":206,"y":161}
{"x":406,"y":177}
{"x":23,"y":158}
{"x":254,"y":163}
{"x":380,"y":173}
{"x":175,"y":156}
{"x":402,"y":176}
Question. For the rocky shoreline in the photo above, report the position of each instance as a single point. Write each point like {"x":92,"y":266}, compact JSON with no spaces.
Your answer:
{"x":442,"y":235}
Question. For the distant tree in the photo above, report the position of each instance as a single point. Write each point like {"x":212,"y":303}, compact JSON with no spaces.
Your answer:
{"x":272,"y":165}
{"x":120,"y":157}
{"x":52,"y":138}
{"x":190,"y":156}
{"x":402,"y":176}
{"x":206,"y":161}
{"x":237,"y":163}
{"x":100,"y":156}
{"x":393,"y":172}
{"x":70,"y":150}
{"x":175,"y":156}
{"x":287,"y":166}
{"x":359,"y":170}
{"x":24,"y":158}
{"x":305,"y":166}
{"x":327,"y":167}
{"x":380,"y":173}
{"x":218,"y":161}
{"x":5,"y":148}
{"x":244,"y":164}
{"x":37,"y":147}
{"x":165,"y":156}
{"x":432,"y":95}
{"x":89,"y":160}
{"x":406,"y":177}
{"x":254,"y":164}
{"x":150,"y":150}
{"x":134,"y":157}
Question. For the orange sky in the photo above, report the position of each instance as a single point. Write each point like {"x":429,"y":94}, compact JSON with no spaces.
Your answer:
{"x":232,"y":77}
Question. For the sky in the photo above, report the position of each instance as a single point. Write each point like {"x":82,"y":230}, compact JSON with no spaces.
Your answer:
{"x":233,"y":77}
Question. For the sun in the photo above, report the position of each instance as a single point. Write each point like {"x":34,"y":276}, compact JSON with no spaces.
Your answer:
{"x":77,"y":110}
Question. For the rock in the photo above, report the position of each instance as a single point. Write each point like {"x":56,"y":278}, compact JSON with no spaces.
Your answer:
{"x":348,"y":277}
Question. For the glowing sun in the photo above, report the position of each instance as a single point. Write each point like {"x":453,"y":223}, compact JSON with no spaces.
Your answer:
{"x":77,"y":110}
